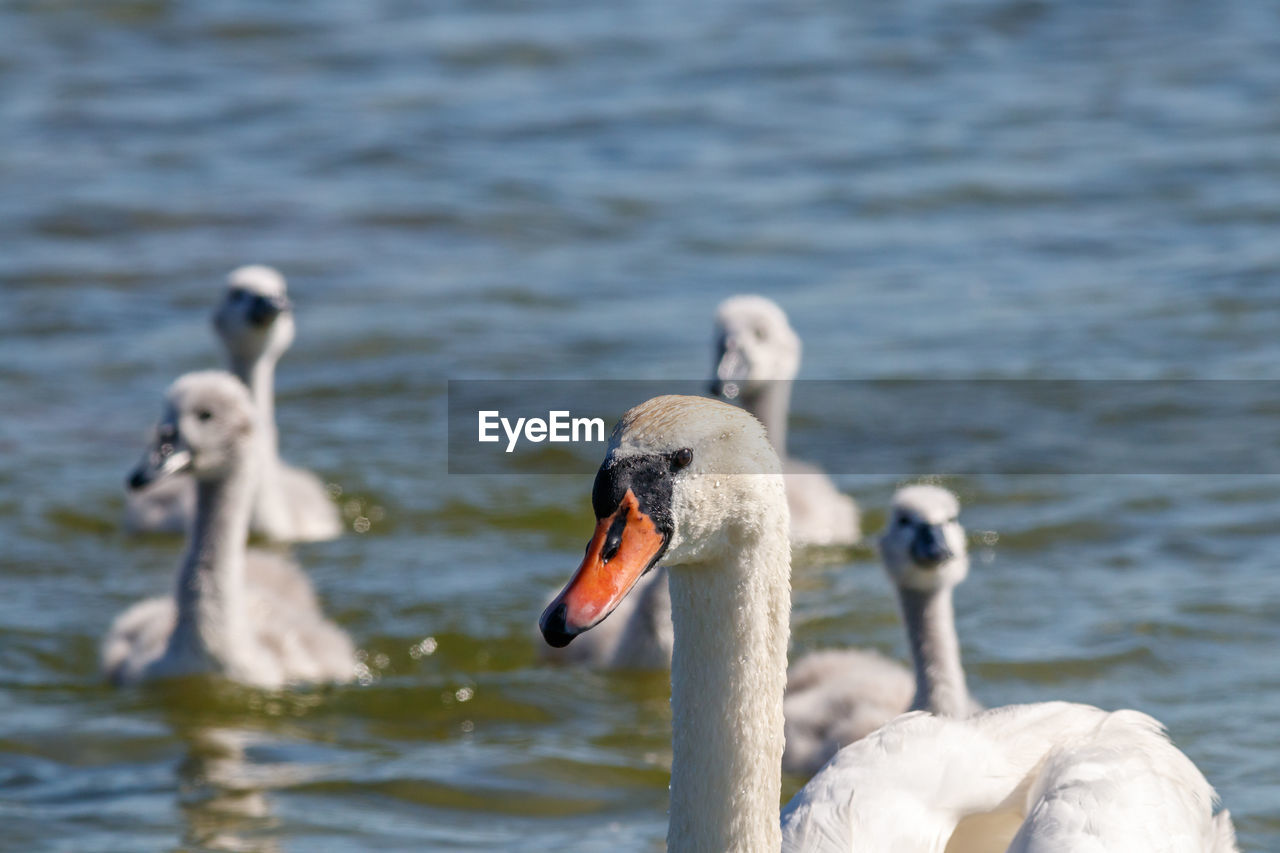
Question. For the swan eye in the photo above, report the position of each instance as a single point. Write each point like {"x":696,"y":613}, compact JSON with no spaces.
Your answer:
{"x":204,"y":414}
{"x":903,"y":521}
{"x":237,"y":293}
{"x":682,"y":458}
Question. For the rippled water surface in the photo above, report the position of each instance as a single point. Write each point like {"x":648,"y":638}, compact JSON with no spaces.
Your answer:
{"x":565,"y":190}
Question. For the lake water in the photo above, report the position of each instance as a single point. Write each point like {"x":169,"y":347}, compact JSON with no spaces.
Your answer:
{"x":493,"y":189}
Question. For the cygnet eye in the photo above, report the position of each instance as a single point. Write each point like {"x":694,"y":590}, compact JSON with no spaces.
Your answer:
{"x":759,"y":332}
{"x":204,"y":414}
{"x":682,"y":458}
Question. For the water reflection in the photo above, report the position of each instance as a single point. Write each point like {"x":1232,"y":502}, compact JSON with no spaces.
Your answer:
{"x":233,"y":762}
{"x":222,"y":796}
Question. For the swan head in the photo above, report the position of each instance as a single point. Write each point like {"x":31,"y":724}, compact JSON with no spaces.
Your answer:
{"x":923,"y":545}
{"x":685,"y":480}
{"x":206,"y":428}
{"x":254,"y":318}
{"x":754,"y":343}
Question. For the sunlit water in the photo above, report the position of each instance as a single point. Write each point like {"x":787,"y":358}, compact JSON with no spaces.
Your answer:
{"x":566,"y":189}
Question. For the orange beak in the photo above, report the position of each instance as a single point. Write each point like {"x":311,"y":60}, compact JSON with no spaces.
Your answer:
{"x":624,"y":547}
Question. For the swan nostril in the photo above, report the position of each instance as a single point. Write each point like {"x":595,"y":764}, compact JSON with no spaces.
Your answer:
{"x":613,"y":539}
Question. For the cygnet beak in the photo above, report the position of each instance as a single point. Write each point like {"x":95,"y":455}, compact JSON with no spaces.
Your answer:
{"x":929,"y":547}
{"x":263,"y":310}
{"x":732,"y":370}
{"x":162,"y":460}
{"x":625,"y":545}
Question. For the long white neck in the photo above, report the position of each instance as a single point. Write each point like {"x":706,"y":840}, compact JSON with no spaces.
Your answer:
{"x":935,"y":651}
{"x":728,"y":672}
{"x":770,"y":406}
{"x":259,"y":375}
{"x":269,"y":504}
{"x":212,"y":617}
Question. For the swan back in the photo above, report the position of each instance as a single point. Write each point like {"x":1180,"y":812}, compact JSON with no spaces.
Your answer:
{"x":1043,"y":778}
{"x":1120,"y":786}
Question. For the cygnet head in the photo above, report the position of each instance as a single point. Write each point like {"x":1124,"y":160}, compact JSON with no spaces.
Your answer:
{"x":754,"y":344}
{"x":685,"y":479}
{"x":254,"y":318}
{"x":207,"y":428}
{"x":923,"y":545}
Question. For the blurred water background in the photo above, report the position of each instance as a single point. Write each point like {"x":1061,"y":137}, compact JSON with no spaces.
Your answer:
{"x":562,"y":189}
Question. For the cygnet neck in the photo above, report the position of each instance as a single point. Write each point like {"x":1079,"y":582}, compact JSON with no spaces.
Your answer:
{"x":259,"y":376}
{"x":212,"y":617}
{"x":728,"y":671}
{"x":270,"y":505}
{"x":935,"y":651}
{"x":770,"y":405}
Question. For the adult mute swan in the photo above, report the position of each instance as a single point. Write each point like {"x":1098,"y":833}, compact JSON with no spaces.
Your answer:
{"x":757,"y":356}
{"x":696,"y":484}
{"x":248,"y":616}
{"x":255,"y":324}
{"x":837,"y":696}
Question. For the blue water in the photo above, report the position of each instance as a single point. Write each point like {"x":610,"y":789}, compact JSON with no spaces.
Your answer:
{"x":566,"y":190}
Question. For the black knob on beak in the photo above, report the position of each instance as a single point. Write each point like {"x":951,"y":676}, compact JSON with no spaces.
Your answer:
{"x":137,"y":479}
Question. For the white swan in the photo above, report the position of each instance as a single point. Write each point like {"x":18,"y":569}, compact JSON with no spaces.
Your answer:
{"x":249,"y":616}
{"x":837,"y":696}
{"x":695,"y":483}
{"x":255,"y":324}
{"x":757,"y":356}
{"x":1050,"y":777}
